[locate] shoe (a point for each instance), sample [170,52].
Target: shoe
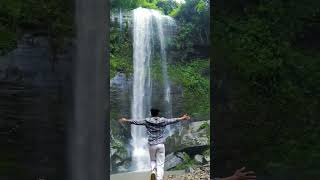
[153,175]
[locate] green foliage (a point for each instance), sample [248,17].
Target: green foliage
[206,152]
[156,71]
[120,64]
[193,31]
[120,51]
[53,17]
[175,12]
[192,75]
[149,5]
[205,125]
[201,6]
[181,43]
[188,162]
[274,80]
[119,146]
[164,5]
[194,78]
[167,6]
[125,4]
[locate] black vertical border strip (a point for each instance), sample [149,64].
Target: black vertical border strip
[107,91]
[88,146]
[212,91]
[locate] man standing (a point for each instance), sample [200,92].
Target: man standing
[155,129]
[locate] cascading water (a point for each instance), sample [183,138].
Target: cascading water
[163,53]
[120,19]
[146,23]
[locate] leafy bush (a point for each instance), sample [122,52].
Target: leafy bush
[53,17]
[193,30]
[120,64]
[165,5]
[270,93]
[194,78]
[204,126]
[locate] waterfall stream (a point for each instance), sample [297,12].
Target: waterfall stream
[147,23]
[120,19]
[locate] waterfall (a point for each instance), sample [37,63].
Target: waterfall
[167,89]
[146,23]
[120,19]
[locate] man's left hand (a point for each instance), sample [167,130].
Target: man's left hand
[121,120]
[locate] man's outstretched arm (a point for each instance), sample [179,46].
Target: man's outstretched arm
[132,121]
[174,120]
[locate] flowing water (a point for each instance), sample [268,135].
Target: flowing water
[149,28]
[120,19]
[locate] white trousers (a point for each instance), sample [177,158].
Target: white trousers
[157,157]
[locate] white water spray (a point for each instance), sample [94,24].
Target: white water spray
[120,19]
[146,23]
[163,53]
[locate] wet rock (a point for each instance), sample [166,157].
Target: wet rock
[122,168]
[198,158]
[35,101]
[172,161]
[122,155]
[207,158]
[112,151]
[195,134]
[182,155]
[120,81]
[118,161]
[189,170]
[118,153]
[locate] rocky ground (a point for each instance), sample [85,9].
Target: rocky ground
[200,173]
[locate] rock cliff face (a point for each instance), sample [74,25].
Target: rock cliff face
[190,135]
[185,142]
[35,96]
[188,146]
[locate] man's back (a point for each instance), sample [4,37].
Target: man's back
[155,128]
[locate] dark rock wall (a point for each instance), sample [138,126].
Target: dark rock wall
[35,96]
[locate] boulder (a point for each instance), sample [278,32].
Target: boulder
[195,134]
[184,156]
[207,158]
[112,151]
[118,161]
[198,159]
[189,170]
[172,161]
[120,81]
[122,168]
[122,154]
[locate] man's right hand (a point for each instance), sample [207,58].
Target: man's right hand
[185,117]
